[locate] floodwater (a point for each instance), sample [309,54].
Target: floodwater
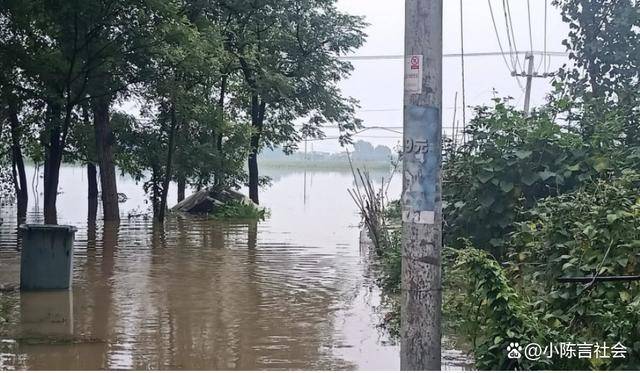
[293,292]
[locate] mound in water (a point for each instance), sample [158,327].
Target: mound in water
[208,201]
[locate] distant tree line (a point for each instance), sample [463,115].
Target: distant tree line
[215,81]
[362,151]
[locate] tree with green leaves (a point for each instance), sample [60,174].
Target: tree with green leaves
[181,115]
[45,50]
[287,53]
[7,168]
[125,37]
[602,78]
[11,112]
[73,53]
[210,75]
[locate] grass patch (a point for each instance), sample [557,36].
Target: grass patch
[235,209]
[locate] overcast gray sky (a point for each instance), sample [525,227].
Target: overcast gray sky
[378,84]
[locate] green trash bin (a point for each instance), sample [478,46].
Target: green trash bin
[46,262]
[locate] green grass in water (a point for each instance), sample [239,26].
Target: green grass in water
[240,210]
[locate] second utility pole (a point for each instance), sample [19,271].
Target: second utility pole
[421,305]
[527,97]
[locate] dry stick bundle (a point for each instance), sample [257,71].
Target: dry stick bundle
[370,204]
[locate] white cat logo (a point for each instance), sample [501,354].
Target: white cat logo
[513,350]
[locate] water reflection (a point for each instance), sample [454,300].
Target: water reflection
[46,314]
[288,293]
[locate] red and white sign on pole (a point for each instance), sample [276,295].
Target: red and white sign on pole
[413,75]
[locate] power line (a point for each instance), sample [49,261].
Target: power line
[547,60]
[393,128]
[512,39]
[376,110]
[543,60]
[530,33]
[448,55]
[358,135]
[455,128]
[513,33]
[495,28]
[514,62]
[464,100]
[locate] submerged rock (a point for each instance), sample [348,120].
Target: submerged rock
[208,200]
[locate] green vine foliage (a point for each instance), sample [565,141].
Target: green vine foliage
[509,163]
[594,230]
[488,310]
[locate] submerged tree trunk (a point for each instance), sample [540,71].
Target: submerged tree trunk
[155,189]
[52,162]
[257,120]
[182,185]
[17,161]
[104,154]
[168,169]
[92,196]
[219,178]
[253,170]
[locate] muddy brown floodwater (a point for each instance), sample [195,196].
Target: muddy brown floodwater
[292,292]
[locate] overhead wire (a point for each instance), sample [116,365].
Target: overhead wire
[509,43]
[530,32]
[464,95]
[375,110]
[547,57]
[512,32]
[495,28]
[512,41]
[446,55]
[543,60]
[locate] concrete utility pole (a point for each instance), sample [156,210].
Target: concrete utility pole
[530,74]
[422,187]
[527,95]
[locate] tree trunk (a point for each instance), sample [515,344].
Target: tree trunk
[52,162]
[19,174]
[155,189]
[257,120]
[92,198]
[182,185]
[167,170]
[104,154]
[253,173]
[51,177]
[219,178]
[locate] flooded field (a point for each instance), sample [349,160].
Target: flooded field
[292,292]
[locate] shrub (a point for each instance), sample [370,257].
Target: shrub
[593,230]
[488,310]
[235,209]
[509,163]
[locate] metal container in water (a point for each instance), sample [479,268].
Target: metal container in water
[47,256]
